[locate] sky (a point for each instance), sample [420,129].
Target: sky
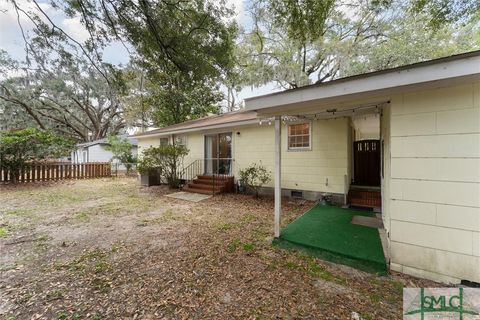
[11,37]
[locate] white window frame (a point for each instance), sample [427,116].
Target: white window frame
[309,148]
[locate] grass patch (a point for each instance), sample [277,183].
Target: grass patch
[249,217]
[18,212]
[41,242]
[291,265]
[3,232]
[101,285]
[259,235]
[226,226]
[82,216]
[318,271]
[233,245]
[101,266]
[398,285]
[248,247]
[94,261]
[143,222]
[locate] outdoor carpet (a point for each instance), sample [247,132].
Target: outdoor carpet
[326,231]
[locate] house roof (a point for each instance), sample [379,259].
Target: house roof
[214,121]
[133,142]
[431,71]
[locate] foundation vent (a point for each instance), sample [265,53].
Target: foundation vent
[296,194]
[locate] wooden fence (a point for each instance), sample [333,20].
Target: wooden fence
[48,171]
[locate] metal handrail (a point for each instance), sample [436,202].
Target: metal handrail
[191,171]
[197,167]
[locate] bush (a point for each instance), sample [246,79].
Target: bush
[19,147]
[122,151]
[254,177]
[165,161]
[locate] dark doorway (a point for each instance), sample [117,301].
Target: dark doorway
[366,161]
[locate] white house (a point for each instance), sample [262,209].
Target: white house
[94,151]
[405,139]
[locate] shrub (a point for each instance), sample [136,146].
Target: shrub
[254,177]
[165,161]
[19,147]
[122,151]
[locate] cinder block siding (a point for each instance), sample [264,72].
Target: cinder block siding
[303,170]
[194,145]
[146,142]
[434,197]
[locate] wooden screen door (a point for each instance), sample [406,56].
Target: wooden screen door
[366,161]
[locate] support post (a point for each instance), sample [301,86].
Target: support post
[278,175]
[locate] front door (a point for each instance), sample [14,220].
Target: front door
[366,160]
[218,153]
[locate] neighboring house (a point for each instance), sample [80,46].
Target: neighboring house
[94,151]
[405,139]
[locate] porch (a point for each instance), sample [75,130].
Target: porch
[326,231]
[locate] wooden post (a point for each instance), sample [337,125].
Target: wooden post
[278,175]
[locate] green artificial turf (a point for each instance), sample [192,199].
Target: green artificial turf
[325,231]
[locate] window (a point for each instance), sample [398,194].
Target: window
[181,140]
[164,141]
[299,136]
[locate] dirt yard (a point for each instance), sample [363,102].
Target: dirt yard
[108,249]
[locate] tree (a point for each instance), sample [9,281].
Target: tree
[441,12]
[182,49]
[122,151]
[19,147]
[254,177]
[163,160]
[408,39]
[63,92]
[291,47]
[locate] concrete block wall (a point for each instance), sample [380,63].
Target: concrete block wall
[434,196]
[321,169]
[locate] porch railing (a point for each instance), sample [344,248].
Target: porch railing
[218,168]
[191,171]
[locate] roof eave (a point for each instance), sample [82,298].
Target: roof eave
[201,128]
[436,73]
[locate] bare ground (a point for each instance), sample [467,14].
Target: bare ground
[108,249]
